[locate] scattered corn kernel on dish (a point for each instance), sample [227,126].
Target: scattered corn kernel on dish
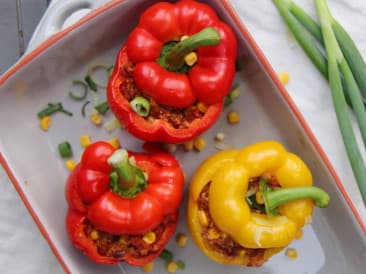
[164,142]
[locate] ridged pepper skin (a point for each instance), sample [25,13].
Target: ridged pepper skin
[208,81]
[229,173]
[92,196]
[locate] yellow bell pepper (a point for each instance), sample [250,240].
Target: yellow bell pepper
[257,233]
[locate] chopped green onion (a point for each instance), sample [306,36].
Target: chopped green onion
[84,107]
[102,108]
[91,72]
[53,108]
[110,70]
[65,149]
[68,113]
[166,255]
[227,101]
[233,94]
[84,93]
[112,125]
[91,84]
[181,264]
[141,105]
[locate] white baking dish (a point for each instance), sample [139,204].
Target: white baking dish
[334,243]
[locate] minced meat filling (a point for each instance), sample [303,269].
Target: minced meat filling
[222,242]
[178,117]
[117,246]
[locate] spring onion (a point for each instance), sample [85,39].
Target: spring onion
[83,95]
[89,78]
[112,125]
[342,66]
[65,149]
[53,108]
[102,108]
[166,255]
[141,106]
[347,45]
[181,264]
[233,94]
[83,108]
[110,70]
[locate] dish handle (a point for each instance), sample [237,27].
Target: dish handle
[60,15]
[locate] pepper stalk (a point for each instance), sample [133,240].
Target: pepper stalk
[173,60]
[274,198]
[126,179]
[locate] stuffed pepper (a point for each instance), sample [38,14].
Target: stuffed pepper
[172,75]
[123,206]
[247,205]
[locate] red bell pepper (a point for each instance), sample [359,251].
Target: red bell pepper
[116,195]
[152,64]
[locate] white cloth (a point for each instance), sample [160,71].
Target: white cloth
[23,249]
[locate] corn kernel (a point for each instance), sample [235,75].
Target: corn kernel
[181,239]
[191,58]
[202,218]
[199,144]
[202,107]
[114,142]
[172,267]
[94,235]
[291,253]
[45,123]
[85,140]
[259,198]
[284,77]
[148,267]
[122,239]
[213,234]
[188,146]
[233,117]
[70,164]
[96,119]
[149,237]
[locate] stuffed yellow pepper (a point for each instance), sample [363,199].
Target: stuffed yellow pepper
[247,205]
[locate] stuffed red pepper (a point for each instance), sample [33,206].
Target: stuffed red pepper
[123,205]
[173,73]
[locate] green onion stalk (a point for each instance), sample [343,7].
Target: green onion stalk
[342,65]
[344,68]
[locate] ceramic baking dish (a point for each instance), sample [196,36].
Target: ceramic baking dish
[335,242]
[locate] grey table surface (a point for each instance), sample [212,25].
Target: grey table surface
[18,20]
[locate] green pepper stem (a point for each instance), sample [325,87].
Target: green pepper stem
[174,59]
[274,198]
[126,179]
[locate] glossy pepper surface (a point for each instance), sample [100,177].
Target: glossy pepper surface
[157,48]
[122,193]
[288,205]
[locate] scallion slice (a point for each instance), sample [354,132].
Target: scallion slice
[141,106]
[53,108]
[65,149]
[82,96]
[102,108]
